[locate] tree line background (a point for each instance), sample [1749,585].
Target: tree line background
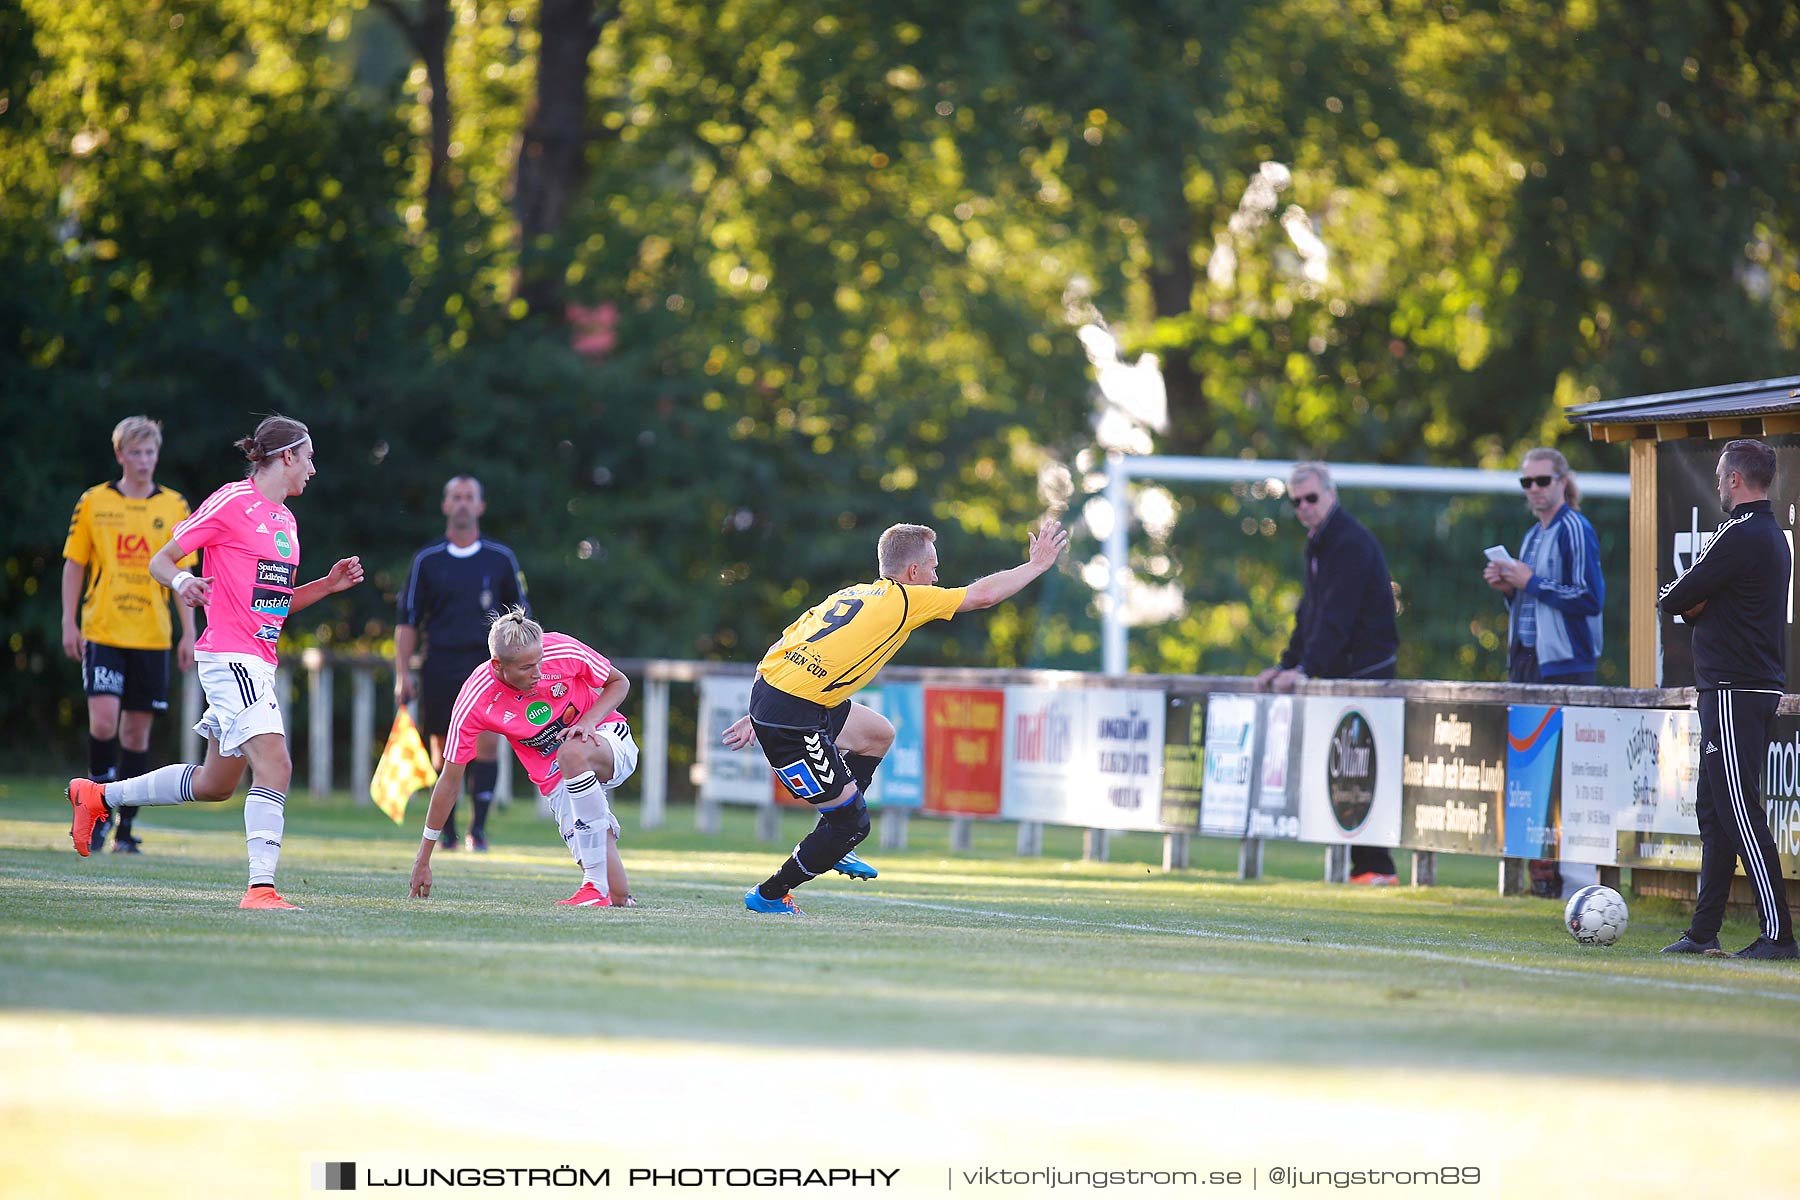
[708,292]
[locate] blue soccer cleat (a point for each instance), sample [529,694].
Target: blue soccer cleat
[855,867]
[753,900]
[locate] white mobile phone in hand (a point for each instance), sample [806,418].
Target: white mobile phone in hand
[1498,554]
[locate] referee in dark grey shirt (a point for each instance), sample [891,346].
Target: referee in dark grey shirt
[1734,594]
[451,592]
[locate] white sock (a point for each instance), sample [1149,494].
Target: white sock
[163,786]
[589,821]
[263,822]
[565,819]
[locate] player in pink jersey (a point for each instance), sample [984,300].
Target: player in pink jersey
[556,700]
[252,559]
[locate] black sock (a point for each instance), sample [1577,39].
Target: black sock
[839,831]
[862,769]
[482,778]
[103,759]
[789,877]
[132,763]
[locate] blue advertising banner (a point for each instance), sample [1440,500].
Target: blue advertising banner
[1533,780]
[900,783]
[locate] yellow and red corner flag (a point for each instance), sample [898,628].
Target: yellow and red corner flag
[405,767]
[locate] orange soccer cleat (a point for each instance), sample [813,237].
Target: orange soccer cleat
[89,802]
[264,897]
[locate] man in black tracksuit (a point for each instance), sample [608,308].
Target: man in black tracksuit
[1734,594]
[1345,626]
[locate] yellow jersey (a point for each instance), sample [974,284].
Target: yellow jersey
[115,537]
[837,645]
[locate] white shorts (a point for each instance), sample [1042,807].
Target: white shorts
[625,761]
[240,701]
[624,751]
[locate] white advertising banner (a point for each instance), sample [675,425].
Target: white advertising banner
[1277,810]
[1044,730]
[1657,825]
[1350,770]
[1228,772]
[1596,783]
[1117,783]
[726,776]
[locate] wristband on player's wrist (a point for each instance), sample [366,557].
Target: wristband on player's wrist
[432,835]
[179,581]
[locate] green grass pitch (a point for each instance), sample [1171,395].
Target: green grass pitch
[963,1012]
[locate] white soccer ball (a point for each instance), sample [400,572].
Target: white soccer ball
[1596,916]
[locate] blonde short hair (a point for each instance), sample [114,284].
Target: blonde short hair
[136,429]
[901,546]
[512,633]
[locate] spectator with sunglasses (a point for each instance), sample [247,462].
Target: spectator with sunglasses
[1345,626]
[1554,590]
[1554,593]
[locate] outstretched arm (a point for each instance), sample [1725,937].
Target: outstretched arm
[1046,546]
[443,799]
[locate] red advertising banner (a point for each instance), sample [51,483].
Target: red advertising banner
[965,731]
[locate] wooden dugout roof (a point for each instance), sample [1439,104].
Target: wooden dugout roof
[1755,409]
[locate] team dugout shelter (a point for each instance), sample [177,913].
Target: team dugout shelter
[1675,439]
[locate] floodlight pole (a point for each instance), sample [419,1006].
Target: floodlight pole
[1122,468]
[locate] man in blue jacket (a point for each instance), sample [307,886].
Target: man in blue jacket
[1554,589]
[1554,593]
[1735,595]
[1345,626]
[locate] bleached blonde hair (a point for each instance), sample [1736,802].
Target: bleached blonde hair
[901,546]
[136,429]
[513,633]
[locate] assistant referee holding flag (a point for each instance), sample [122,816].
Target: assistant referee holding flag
[1734,594]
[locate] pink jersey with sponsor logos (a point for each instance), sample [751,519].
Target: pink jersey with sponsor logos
[533,721]
[252,547]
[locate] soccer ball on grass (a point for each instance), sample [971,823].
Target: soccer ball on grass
[1596,916]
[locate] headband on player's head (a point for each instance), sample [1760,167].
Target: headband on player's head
[303,437]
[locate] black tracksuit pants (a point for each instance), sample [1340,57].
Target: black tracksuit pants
[1734,741]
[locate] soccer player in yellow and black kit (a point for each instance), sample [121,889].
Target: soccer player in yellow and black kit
[122,636]
[824,746]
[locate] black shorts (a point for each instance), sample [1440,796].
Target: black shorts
[139,678]
[799,738]
[440,681]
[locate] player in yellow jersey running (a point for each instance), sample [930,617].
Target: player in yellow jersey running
[824,746]
[116,618]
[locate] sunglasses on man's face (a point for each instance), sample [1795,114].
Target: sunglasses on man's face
[1309,498]
[1543,481]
